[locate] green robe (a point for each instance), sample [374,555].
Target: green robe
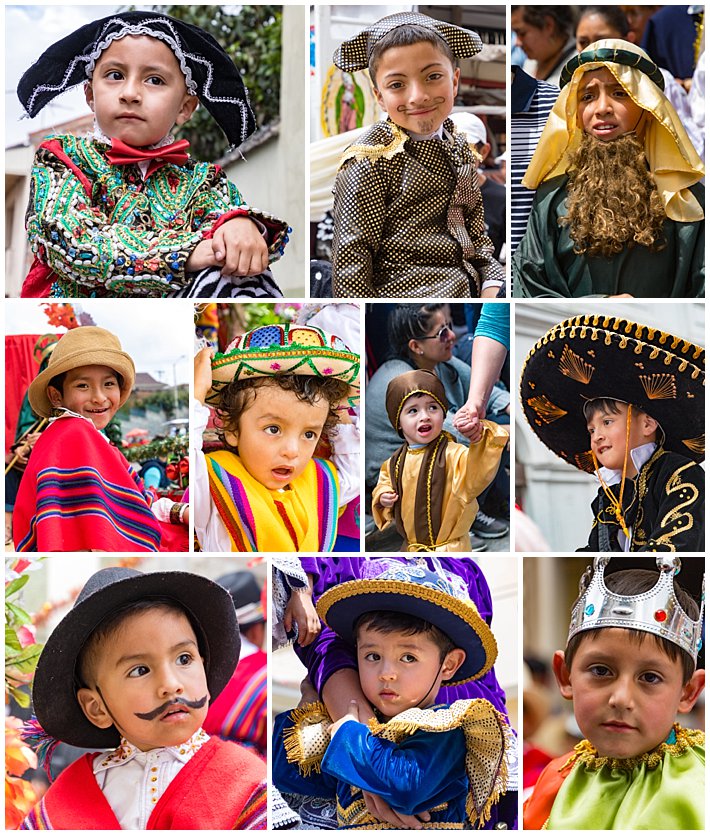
[545,263]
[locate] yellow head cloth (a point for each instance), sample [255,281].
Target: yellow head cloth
[672,159]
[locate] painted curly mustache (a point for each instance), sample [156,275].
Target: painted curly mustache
[153,714]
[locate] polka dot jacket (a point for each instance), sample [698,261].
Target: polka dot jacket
[408,218]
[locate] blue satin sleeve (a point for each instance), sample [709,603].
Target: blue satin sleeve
[286,776]
[413,776]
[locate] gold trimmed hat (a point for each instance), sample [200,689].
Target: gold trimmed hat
[405,385]
[354,54]
[389,585]
[272,350]
[86,345]
[591,357]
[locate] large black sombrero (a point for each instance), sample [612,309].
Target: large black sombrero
[208,605]
[590,357]
[393,586]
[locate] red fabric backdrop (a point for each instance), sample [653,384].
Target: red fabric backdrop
[20,370]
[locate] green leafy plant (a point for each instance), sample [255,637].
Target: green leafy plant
[21,654]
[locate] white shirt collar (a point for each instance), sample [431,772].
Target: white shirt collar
[639,455]
[126,752]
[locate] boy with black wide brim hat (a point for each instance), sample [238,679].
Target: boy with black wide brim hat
[132,668]
[413,629]
[626,402]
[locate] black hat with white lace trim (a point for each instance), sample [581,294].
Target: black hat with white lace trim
[209,72]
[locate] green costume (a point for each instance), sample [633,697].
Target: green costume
[545,263]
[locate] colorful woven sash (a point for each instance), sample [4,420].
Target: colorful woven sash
[302,518]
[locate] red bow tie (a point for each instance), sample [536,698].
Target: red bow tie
[122,154]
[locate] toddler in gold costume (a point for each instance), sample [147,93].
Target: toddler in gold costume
[429,486]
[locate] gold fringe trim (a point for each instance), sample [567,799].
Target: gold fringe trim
[466,611]
[307,754]
[489,739]
[586,754]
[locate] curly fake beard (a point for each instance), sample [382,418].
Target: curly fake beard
[612,201]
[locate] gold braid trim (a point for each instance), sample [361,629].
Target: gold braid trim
[488,741]
[586,754]
[466,611]
[361,151]
[683,517]
[306,742]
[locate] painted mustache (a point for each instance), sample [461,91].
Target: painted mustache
[404,108]
[153,714]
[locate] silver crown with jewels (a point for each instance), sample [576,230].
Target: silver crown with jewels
[656,610]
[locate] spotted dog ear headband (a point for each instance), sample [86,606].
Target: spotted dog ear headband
[354,54]
[209,72]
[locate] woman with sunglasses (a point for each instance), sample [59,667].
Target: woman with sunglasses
[421,336]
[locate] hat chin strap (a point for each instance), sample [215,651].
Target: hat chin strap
[617,504]
[426,695]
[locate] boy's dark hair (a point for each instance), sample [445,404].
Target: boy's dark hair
[409,321]
[564,17]
[613,16]
[58,381]
[635,581]
[406,36]
[86,659]
[609,406]
[235,398]
[388,622]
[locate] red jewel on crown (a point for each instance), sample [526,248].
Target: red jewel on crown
[661,615]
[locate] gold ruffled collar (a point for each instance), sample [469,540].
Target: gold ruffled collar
[586,754]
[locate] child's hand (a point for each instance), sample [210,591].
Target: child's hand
[239,248]
[201,257]
[203,373]
[353,714]
[300,608]
[387,499]
[466,421]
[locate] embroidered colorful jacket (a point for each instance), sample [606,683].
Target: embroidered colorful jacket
[666,508]
[221,787]
[661,789]
[78,494]
[408,218]
[101,230]
[449,760]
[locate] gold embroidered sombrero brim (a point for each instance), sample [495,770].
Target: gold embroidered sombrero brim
[272,350]
[341,606]
[590,357]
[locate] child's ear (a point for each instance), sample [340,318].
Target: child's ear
[457,75]
[187,108]
[649,426]
[413,346]
[691,691]
[452,662]
[89,94]
[94,710]
[562,674]
[55,396]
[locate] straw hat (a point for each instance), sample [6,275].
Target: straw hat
[87,345]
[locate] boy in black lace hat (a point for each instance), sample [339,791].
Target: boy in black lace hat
[408,213]
[127,212]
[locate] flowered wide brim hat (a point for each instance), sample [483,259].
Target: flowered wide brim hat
[388,585]
[590,357]
[273,350]
[354,53]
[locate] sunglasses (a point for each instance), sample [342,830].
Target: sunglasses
[442,334]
